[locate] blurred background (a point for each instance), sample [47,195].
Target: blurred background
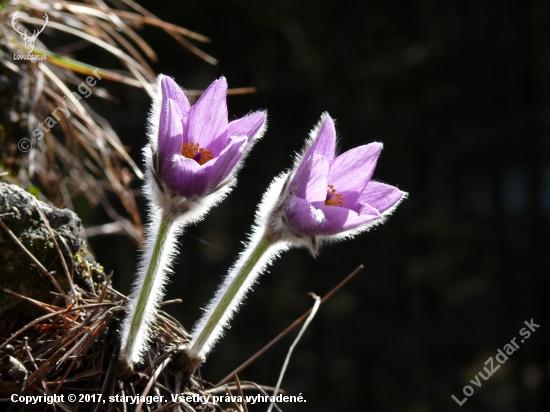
[459,93]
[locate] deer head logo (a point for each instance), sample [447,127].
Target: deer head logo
[29,40]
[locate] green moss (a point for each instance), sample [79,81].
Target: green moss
[18,272]
[34,190]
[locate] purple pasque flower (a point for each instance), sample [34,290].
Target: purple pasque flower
[328,196]
[197,150]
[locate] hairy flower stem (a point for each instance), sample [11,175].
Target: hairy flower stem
[238,281]
[134,333]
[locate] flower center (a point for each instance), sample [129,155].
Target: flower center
[333,198]
[197,153]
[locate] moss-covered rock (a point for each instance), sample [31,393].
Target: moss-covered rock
[18,273]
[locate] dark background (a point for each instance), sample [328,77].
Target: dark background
[459,93]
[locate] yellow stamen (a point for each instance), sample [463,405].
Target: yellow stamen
[333,198]
[197,153]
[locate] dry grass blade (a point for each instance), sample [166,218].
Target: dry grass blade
[231,396]
[79,67]
[177,34]
[245,385]
[74,350]
[262,388]
[59,253]
[310,317]
[135,68]
[82,155]
[154,377]
[38,304]
[230,92]
[45,318]
[289,328]
[146,18]
[240,392]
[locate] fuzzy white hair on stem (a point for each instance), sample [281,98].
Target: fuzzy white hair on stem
[272,234]
[169,213]
[148,288]
[260,251]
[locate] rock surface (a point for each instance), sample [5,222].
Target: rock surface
[18,273]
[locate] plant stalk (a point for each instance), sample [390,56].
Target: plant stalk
[247,268]
[147,292]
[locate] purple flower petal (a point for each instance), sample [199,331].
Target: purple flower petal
[170,137]
[338,200]
[197,147]
[245,126]
[341,219]
[207,119]
[349,198]
[171,90]
[380,196]
[186,177]
[352,170]
[302,216]
[324,142]
[311,184]
[220,167]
